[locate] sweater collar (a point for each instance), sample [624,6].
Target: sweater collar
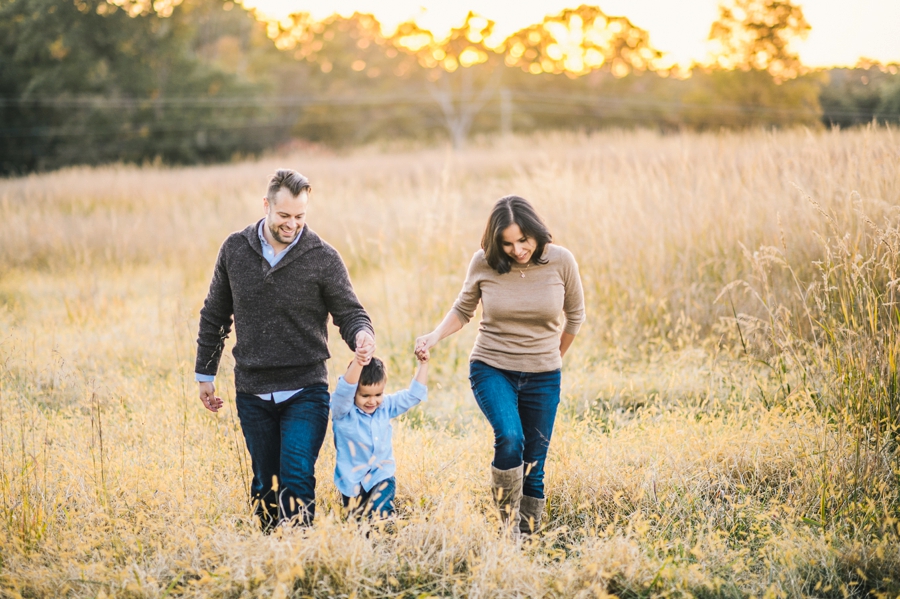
[308,240]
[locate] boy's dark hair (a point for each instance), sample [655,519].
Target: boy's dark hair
[507,211]
[373,373]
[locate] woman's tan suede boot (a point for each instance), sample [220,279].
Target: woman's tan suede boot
[530,511]
[506,487]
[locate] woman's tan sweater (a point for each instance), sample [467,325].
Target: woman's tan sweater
[522,316]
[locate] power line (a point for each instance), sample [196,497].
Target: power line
[601,107]
[391,99]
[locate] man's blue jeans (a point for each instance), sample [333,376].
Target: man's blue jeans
[377,501]
[284,440]
[521,407]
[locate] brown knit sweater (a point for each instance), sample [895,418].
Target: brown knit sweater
[280,312]
[522,316]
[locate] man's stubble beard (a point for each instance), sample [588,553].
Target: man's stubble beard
[276,234]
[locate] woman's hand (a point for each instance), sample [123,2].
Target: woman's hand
[448,326]
[424,345]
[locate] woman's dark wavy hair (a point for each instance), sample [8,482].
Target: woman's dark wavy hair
[507,211]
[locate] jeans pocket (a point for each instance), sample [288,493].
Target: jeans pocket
[477,370]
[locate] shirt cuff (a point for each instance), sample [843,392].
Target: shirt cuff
[418,390]
[572,328]
[462,316]
[204,378]
[345,388]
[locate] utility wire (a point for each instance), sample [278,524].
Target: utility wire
[522,102]
[394,99]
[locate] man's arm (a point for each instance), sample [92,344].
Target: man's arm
[347,312]
[215,325]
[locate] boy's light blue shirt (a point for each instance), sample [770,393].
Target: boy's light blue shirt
[365,454]
[272,259]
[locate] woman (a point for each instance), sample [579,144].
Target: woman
[525,284]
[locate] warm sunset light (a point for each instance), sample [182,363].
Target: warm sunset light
[623,274]
[840,35]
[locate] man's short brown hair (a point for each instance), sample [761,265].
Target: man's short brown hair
[289,179]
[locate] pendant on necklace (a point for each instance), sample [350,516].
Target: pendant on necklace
[522,273]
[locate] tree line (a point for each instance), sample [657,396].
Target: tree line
[92,81]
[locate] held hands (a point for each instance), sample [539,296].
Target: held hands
[424,345]
[208,396]
[365,347]
[360,357]
[422,357]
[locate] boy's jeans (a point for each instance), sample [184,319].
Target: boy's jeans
[378,501]
[521,407]
[284,440]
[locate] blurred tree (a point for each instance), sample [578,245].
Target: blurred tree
[470,66]
[581,40]
[889,106]
[349,61]
[859,95]
[757,35]
[85,81]
[582,68]
[756,77]
[463,70]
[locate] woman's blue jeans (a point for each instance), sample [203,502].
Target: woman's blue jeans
[521,407]
[284,440]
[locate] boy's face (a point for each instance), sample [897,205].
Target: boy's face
[369,397]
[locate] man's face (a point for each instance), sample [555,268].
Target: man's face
[369,397]
[286,215]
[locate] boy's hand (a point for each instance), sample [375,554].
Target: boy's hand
[422,356]
[425,343]
[362,357]
[365,345]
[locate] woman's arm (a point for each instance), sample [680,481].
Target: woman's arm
[565,340]
[448,326]
[462,311]
[573,304]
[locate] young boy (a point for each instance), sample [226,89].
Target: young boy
[361,419]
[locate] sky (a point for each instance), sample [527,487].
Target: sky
[842,30]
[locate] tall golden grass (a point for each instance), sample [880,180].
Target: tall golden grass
[729,416]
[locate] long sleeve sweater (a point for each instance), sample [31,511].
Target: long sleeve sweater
[280,313]
[522,315]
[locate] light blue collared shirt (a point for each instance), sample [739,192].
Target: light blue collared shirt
[272,258]
[365,455]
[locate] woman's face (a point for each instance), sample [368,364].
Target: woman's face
[516,245]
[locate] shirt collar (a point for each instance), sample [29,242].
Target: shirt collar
[363,413]
[266,244]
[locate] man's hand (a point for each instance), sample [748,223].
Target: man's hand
[209,398]
[365,346]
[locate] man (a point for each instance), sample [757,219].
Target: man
[279,281]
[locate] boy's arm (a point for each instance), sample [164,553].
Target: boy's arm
[353,372]
[398,403]
[342,398]
[422,371]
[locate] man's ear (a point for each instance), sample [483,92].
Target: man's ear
[266,204]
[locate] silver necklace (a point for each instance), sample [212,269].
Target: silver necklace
[522,271]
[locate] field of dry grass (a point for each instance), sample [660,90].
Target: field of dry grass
[729,423]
